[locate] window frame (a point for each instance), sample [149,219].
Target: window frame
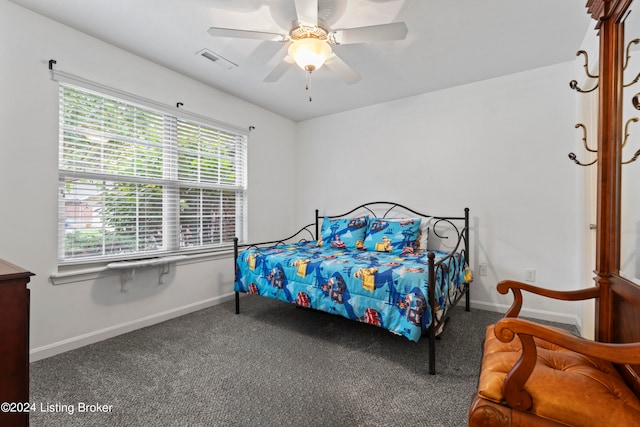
[172,186]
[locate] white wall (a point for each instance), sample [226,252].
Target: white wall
[498,147]
[69,315]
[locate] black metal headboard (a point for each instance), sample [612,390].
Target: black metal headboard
[458,224]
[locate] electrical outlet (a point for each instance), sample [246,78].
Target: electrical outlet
[482,269]
[530,274]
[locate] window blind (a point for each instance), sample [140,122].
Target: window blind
[136,182]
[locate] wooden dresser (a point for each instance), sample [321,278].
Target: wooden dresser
[14,341]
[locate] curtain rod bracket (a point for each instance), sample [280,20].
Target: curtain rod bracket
[51,62]
[179,104]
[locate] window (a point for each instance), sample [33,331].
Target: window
[136,182]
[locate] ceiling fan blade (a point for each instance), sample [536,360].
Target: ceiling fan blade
[373,33]
[307,11]
[245,34]
[338,66]
[279,70]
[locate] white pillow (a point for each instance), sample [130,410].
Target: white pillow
[423,237]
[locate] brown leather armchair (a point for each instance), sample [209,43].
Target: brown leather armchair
[549,377]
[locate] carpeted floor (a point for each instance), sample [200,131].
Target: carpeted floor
[272,365]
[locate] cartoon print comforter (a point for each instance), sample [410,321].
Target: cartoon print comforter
[379,288]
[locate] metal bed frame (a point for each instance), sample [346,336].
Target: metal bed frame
[311,232]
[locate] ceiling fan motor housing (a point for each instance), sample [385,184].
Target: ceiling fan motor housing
[318,31]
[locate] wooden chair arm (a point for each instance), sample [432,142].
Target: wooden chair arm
[506,330]
[516,287]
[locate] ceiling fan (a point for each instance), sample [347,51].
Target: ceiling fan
[309,42]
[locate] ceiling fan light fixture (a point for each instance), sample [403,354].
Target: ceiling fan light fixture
[310,53]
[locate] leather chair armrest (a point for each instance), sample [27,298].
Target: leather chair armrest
[506,330]
[516,287]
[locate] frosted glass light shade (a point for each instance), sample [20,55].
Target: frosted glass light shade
[309,53]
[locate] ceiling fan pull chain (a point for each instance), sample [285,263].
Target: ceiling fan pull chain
[308,84]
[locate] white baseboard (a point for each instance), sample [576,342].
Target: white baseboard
[103,334]
[110,332]
[532,313]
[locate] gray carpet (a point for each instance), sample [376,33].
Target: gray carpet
[273,364]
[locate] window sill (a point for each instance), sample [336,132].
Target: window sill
[126,269]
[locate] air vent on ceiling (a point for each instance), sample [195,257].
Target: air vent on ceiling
[216,58]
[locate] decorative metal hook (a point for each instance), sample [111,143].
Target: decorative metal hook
[633,159]
[626,63]
[626,136]
[628,56]
[574,83]
[626,129]
[632,82]
[584,137]
[586,63]
[573,156]
[636,101]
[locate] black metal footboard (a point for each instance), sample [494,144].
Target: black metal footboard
[446,263]
[303,234]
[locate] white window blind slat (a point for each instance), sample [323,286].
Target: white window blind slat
[135,181]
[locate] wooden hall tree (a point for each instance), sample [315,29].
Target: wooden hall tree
[535,375]
[617,306]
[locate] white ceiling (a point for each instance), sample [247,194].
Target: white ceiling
[449,43]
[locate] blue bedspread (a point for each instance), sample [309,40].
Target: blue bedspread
[379,288]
